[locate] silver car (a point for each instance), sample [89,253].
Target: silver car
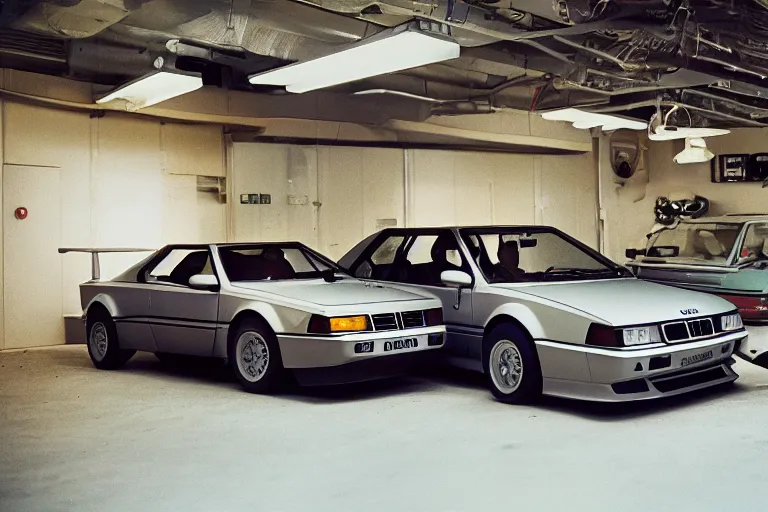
[266,308]
[539,312]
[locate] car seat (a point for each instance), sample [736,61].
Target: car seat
[192,264]
[439,254]
[712,245]
[274,265]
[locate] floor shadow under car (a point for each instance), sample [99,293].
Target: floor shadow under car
[215,371]
[423,379]
[599,411]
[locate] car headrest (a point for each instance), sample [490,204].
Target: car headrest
[442,245]
[711,243]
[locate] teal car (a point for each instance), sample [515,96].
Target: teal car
[725,256]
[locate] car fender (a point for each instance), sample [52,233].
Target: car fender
[280,319]
[520,312]
[552,329]
[105,300]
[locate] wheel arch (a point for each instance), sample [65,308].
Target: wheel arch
[104,302]
[261,312]
[517,314]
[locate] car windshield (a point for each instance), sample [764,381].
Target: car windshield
[274,262]
[514,255]
[694,244]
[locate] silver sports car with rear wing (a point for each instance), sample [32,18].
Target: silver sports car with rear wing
[267,308]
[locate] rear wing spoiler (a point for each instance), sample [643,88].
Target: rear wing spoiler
[95,251]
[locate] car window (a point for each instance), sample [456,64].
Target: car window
[420,252]
[755,246]
[412,259]
[515,256]
[179,265]
[695,243]
[380,262]
[385,254]
[271,263]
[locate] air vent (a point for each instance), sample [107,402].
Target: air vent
[385,322]
[26,44]
[413,319]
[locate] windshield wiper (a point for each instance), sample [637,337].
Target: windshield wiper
[331,276]
[583,272]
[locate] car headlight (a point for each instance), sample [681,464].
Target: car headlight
[641,335]
[605,336]
[323,325]
[731,322]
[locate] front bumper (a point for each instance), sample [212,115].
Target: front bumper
[755,348]
[577,371]
[307,351]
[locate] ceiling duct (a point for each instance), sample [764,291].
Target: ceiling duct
[280,29]
[77,19]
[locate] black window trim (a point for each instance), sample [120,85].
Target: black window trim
[505,230]
[162,253]
[305,250]
[409,236]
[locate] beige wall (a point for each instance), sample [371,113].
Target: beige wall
[349,193]
[466,188]
[629,209]
[123,182]
[339,193]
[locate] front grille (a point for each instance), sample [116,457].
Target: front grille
[412,319]
[676,332]
[701,328]
[689,379]
[385,322]
[688,330]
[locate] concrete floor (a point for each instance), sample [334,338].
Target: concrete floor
[154,437]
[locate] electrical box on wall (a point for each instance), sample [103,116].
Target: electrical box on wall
[740,168]
[255,199]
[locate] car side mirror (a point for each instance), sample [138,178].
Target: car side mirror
[634,253]
[456,279]
[203,282]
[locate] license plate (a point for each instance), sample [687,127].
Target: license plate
[403,344]
[696,358]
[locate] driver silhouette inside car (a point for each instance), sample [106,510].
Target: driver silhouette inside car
[508,269]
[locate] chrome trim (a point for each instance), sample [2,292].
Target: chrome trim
[688,329]
[672,266]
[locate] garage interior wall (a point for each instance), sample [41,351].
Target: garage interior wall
[332,197]
[112,181]
[629,209]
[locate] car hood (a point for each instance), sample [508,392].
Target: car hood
[340,293]
[627,301]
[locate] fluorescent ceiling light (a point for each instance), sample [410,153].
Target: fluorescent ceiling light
[695,152]
[153,88]
[668,132]
[586,120]
[396,50]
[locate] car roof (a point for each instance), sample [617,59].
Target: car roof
[497,226]
[736,218]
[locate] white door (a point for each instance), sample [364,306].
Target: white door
[32,291]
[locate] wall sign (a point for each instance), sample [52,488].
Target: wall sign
[255,198]
[740,168]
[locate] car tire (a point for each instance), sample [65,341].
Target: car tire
[254,357]
[103,343]
[511,365]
